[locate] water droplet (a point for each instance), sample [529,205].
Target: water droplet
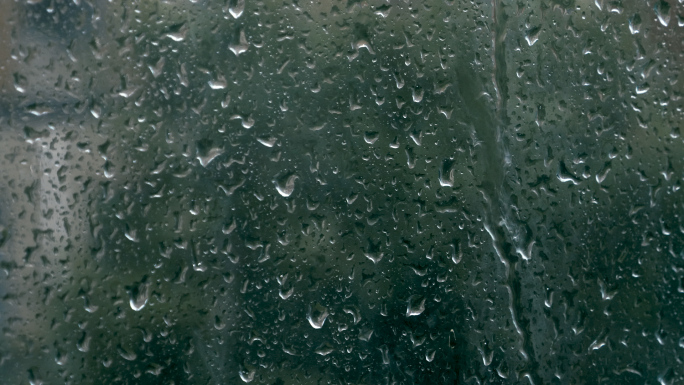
[371,137]
[635,24]
[247,373]
[417,95]
[218,84]
[365,334]
[564,175]
[285,185]
[662,10]
[241,46]
[236,8]
[38,110]
[532,35]
[416,305]
[374,256]
[61,358]
[83,344]
[206,153]
[158,67]
[318,128]
[178,32]
[285,294]
[383,10]
[430,355]
[317,315]
[354,311]
[139,296]
[642,89]
[268,141]
[324,349]
[126,355]
[456,253]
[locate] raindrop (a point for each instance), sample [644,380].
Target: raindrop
[383,10]
[635,24]
[317,315]
[268,141]
[241,46]
[564,175]
[83,344]
[371,137]
[662,10]
[178,32]
[139,295]
[417,95]
[206,152]
[285,184]
[158,67]
[430,355]
[324,349]
[236,8]
[247,373]
[532,35]
[61,358]
[416,305]
[218,84]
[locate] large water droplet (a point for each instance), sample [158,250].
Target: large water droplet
[532,35]
[139,296]
[285,184]
[236,8]
[662,10]
[247,373]
[324,349]
[635,24]
[416,305]
[317,315]
[241,46]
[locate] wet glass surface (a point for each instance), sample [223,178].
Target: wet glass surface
[347,192]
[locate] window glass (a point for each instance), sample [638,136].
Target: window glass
[347,192]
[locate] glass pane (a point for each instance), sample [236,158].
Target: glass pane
[366,192]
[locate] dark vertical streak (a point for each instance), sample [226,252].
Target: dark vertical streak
[500,195]
[499,59]
[507,230]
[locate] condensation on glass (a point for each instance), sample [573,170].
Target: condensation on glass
[319,192]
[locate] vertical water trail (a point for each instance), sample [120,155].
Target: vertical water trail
[500,212]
